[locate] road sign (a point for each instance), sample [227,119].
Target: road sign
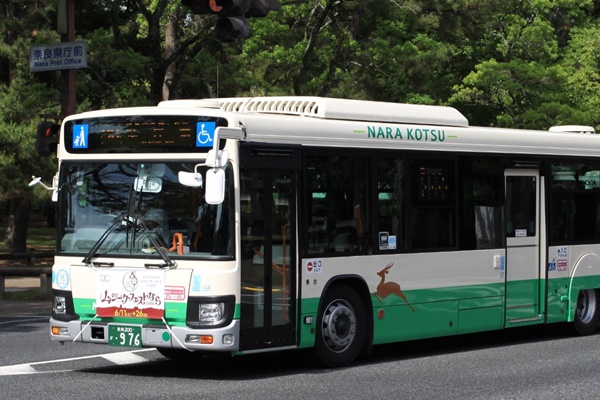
[52,57]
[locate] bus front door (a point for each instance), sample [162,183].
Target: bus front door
[522,224]
[268,210]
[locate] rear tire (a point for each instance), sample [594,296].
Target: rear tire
[587,312]
[341,327]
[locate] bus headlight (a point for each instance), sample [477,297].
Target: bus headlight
[60,305]
[210,313]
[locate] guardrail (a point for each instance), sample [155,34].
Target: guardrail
[29,257]
[28,269]
[45,274]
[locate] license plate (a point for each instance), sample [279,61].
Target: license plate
[125,336]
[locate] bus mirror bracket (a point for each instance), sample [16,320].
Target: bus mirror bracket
[54,188]
[216,159]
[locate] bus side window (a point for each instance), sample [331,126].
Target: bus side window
[433,204]
[337,205]
[521,211]
[391,202]
[574,202]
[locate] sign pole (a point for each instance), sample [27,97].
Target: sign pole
[68,101]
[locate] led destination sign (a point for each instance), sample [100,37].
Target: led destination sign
[141,134]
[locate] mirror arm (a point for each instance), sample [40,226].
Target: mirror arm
[38,180]
[216,147]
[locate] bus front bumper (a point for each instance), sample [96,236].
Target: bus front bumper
[225,339]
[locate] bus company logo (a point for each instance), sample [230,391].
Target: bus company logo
[409,134]
[314,267]
[384,289]
[205,134]
[61,279]
[130,282]
[80,136]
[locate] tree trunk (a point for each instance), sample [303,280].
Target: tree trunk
[18,222]
[170,46]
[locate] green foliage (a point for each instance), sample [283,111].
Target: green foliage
[519,94]
[581,70]
[507,63]
[101,85]
[19,161]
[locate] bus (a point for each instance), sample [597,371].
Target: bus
[234,226]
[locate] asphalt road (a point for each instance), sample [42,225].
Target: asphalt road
[542,362]
[24,308]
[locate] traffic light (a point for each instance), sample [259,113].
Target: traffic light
[233,22]
[229,29]
[260,8]
[47,138]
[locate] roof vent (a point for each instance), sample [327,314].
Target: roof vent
[346,109]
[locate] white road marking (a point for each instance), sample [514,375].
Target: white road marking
[122,358]
[20,369]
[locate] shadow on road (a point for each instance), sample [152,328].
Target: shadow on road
[268,365]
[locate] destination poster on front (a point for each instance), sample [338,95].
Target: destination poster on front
[130,293]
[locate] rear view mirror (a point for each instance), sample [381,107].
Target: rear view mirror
[148,185]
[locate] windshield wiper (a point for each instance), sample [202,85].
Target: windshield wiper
[168,263]
[88,258]
[135,222]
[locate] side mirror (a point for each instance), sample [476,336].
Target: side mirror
[215,186]
[190,179]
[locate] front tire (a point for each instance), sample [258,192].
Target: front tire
[587,313]
[340,327]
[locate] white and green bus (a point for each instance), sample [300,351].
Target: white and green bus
[243,225]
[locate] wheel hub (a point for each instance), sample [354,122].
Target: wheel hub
[339,326]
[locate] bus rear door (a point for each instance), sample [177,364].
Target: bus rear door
[522,225]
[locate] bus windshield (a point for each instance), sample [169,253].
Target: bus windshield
[130,208]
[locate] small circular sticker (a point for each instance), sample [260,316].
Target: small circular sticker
[62,279]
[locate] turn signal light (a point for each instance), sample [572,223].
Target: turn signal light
[200,339]
[57,331]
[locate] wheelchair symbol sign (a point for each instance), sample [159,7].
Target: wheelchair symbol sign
[205,133]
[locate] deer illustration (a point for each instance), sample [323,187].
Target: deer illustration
[384,289]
